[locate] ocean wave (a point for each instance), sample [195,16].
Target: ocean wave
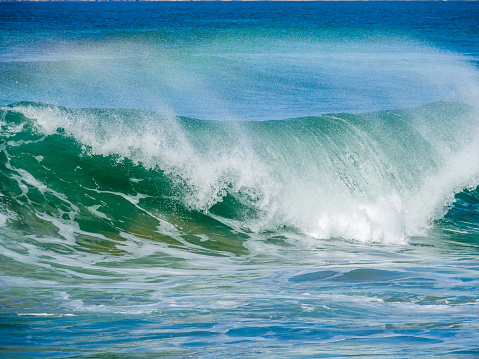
[96,176]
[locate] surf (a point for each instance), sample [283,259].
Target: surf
[379,177]
[243,179]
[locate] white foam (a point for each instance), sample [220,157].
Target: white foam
[382,222]
[5,216]
[3,219]
[94,211]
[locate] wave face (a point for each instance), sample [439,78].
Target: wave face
[265,179]
[375,177]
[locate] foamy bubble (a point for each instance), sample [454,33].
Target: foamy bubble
[382,222]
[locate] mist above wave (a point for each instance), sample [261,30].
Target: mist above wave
[246,73]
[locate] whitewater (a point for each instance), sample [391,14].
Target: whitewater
[239,179]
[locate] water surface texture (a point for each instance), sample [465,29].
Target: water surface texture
[245,180]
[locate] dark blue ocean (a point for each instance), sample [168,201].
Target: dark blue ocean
[239,180]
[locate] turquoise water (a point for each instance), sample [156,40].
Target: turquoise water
[239,179]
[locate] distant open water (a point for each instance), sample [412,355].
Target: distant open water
[239,180]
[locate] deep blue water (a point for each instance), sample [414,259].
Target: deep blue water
[264,179]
